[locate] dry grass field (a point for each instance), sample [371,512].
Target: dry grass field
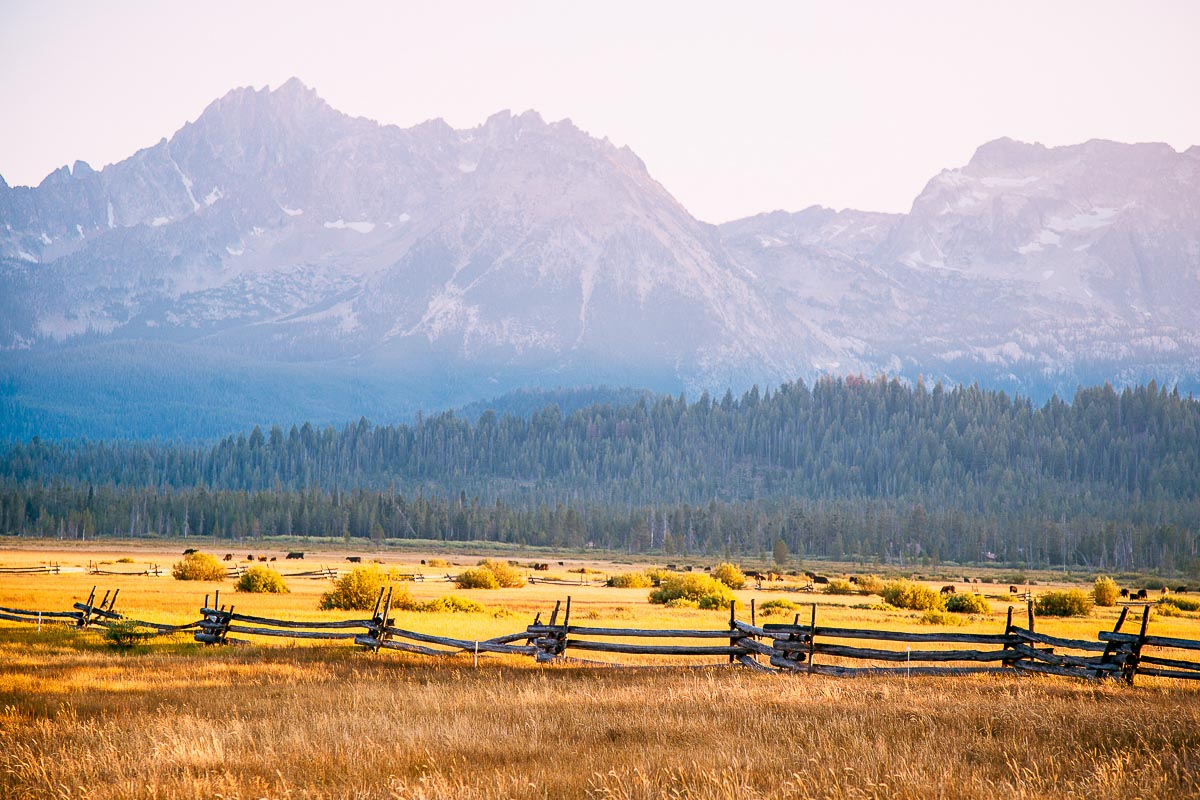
[176,719]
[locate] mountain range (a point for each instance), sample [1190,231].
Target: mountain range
[276,260]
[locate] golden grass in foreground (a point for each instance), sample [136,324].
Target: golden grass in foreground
[78,720]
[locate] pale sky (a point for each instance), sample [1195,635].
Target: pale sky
[735,110]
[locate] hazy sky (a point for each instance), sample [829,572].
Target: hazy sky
[734,110]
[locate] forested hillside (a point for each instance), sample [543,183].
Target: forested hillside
[855,467]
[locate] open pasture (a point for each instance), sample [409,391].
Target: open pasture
[177,719]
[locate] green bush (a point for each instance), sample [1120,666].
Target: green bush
[262,580]
[631,580]
[778,606]
[1181,603]
[125,633]
[935,616]
[729,574]
[906,594]
[1066,603]
[198,567]
[477,578]
[1154,584]
[839,586]
[657,575]
[452,604]
[705,591]
[1105,591]
[869,584]
[502,575]
[967,603]
[357,590]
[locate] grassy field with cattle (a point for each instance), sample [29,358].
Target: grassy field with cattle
[173,718]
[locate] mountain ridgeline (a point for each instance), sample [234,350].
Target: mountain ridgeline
[276,260]
[844,467]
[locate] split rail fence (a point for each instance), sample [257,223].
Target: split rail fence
[790,647]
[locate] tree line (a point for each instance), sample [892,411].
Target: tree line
[845,467]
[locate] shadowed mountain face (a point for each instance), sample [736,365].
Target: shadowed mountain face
[328,266]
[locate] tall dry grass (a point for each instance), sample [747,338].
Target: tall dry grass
[304,722]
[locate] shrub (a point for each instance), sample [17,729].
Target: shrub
[869,584]
[778,606]
[357,590]
[1067,603]
[198,567]
[730,575]
[452,604]
[839,586]
[703,590]
[124,560]
[262,580]
[682,602]
[906,594]
[631,580]
[1105,591]
[936,616]
[586,571]
[503,574]
[1154,584]
[1181,603]
[124,634]
[967,603]
[437,562]
[477,578]
[657,575]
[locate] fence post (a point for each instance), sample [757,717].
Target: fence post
[1108,648]
[812,638]
[732,626]
[1008,662]
[1029,606]
[1136,653]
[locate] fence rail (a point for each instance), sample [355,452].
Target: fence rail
[773,647]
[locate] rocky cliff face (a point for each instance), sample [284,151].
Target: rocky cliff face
[275,231]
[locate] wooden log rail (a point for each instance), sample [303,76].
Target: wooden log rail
[786,647]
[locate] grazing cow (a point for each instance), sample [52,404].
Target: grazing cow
[1143,595]
[671,567]
[354,559]
[229,556]
[820,579]
[264,558]
[250,557]
[190,551]
[422,562]
[1013,590]
[812,576]
[688,568]
[542,566]
[854,579]
[1124,593]
[949,589]
[272,558]
[966,579]
[561,564]
[708,569]
[1181,590]
[292,556]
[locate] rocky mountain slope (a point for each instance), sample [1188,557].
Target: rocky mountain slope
[276,259]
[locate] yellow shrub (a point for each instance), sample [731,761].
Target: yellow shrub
[729,574]
[198,567]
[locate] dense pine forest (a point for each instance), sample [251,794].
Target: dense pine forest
[844,468]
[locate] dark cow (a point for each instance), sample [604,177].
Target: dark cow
[229,556]
[1181,590]
[1124,593]
[422,562]
[949,589]
[1143,595]
[854,579]
[561,564]
[292,556]
[542,566]
[820,579]
[354,559]
[190,551]
[250,557]
[264,558]
[272,558]
[1013,590]
[671,567]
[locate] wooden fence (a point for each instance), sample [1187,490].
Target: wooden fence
[789,647]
